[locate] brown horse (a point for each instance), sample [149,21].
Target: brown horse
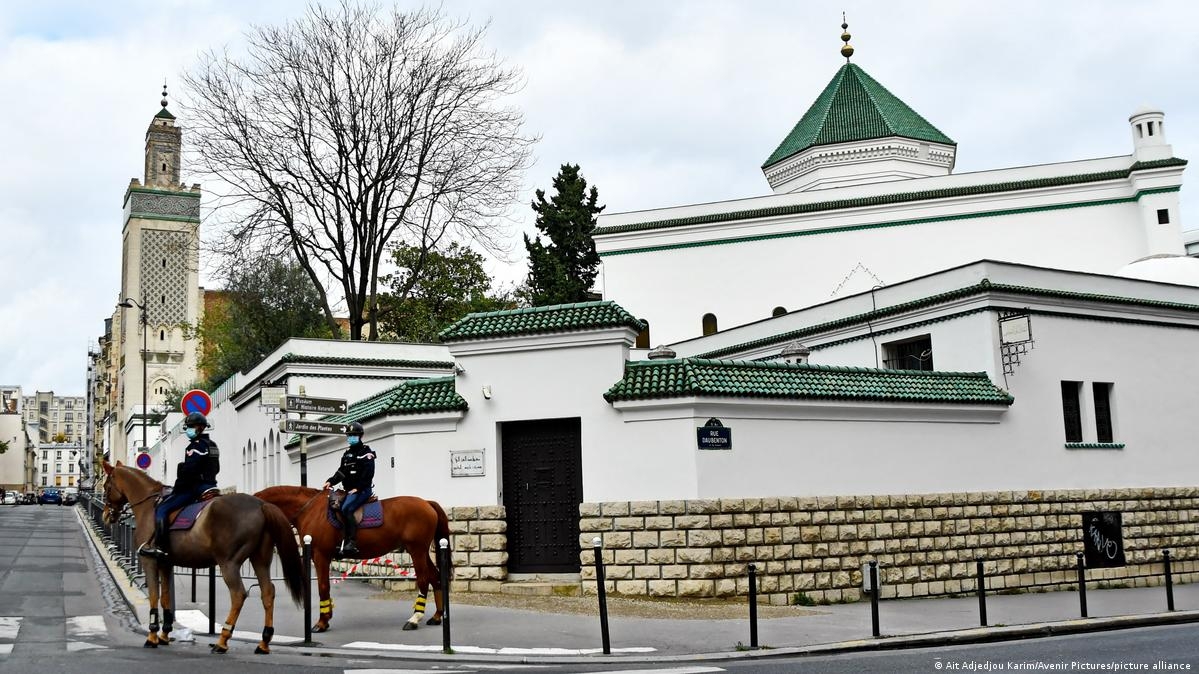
[410,524]
[232,529]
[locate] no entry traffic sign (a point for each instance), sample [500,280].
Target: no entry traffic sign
[143,460]
[195,400]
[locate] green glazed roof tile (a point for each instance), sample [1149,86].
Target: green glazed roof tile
[854,106]
[895,198]
[644,380]
[164,114]
[535,320]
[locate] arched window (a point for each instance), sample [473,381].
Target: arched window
[643,337]
[778,311]
[709,324]
[162,334]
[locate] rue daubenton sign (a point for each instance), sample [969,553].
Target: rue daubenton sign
[1102,539]
[314,405]
[312,427]
[714,435]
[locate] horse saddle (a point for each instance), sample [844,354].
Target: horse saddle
[369,516]
[185,517]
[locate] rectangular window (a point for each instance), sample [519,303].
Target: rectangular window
[1163,216]
[58,467]
[45,468]
[1071,411]
[909,354]
[1103,411]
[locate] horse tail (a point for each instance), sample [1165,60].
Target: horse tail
[289,552]
[443,531]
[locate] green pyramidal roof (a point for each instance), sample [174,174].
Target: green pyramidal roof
[855,107]
[645,380]
[536,320]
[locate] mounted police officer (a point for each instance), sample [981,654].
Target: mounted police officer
[357,475]
[195,475]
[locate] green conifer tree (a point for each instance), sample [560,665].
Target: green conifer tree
[563,270]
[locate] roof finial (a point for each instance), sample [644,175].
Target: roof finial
[846,49]
[164,93]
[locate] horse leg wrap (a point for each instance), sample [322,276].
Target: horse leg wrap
[153,620]
[228,628]
[326,607]
[168,620]
[267,633]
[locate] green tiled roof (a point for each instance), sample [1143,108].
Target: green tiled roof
[855,107]
[887,199]
[414,396]
[644,380]
[164,114]
[555,318]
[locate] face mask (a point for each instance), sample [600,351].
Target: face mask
[191,433]
[354,439]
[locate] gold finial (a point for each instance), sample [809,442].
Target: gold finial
[846,49]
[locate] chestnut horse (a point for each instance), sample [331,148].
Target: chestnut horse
[410,524]
[232,529]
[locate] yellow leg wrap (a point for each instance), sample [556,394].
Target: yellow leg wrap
[419,606]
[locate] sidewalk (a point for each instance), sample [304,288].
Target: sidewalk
[367,622]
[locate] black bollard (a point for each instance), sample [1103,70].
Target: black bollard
[753,606]
[212,600]
[1082,584]
[443,567]
[1169,580]
[981,586]
[307,559]
[874,597]
[193,584]
[597,544]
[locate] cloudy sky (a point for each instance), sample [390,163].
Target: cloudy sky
[661,102]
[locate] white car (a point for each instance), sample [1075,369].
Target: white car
[10,498]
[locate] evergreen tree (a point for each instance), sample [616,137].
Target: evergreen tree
[563,270]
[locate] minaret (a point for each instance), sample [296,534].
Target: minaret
[159,269]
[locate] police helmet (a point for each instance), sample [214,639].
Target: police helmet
[195,419]
[355,428]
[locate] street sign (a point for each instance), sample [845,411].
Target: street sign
[143,460]
[312,427]
[195,400]
[316,405]
[268,396]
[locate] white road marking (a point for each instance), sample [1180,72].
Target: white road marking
[9,626]
[5,649]
[674,670]
[76,646]
[479,650]
[197,622]
[86,626]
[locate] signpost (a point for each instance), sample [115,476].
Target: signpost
[304,404]
[143,460]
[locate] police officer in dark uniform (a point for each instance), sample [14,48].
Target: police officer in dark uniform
[357,474]
[195,475]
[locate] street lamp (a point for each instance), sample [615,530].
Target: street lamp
[130,303]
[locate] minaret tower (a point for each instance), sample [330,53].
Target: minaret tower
[160,271]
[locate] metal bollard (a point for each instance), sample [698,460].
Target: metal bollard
[1169,580]
[753,605]
[212,600]
[981,586]
[1082,584]
[307,561]
[874,597]
[443,567]
[597,545]
[193,584]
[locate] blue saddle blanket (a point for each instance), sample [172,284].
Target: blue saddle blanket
[187,517]
[372,516]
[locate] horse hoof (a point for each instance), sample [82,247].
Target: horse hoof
[320,628]
[218,649]
[259,650]
[433,621]
[149,644]
[408,627]
[164,641]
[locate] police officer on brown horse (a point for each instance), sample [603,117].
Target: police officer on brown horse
[195,475]
[357,475]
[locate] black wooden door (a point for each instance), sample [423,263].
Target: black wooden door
[543,487]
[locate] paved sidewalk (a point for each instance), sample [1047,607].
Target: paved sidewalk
[368,621]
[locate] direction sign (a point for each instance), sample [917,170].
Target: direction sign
[143,460]
[195,400]
[312,427]
[317,405]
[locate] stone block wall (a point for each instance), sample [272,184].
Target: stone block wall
[925,544]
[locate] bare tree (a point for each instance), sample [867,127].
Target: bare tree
[351,128]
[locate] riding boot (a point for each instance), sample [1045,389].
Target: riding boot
[349,548]
[155,547]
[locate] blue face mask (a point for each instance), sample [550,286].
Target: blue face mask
[354,440]
[191,433]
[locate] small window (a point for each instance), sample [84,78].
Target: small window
[164,263]
[1071,411]
[1163,216]
[709,324]
[643,337]
[1103,411]
[162,334]
[778,311]
[909,354]
[1140,131]
[1150,125]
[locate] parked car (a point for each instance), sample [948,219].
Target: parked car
[68,499]
[50,496]
[10,498]
[30,498]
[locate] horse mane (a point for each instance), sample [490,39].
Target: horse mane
[140,478]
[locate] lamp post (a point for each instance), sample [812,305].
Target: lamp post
[130,303]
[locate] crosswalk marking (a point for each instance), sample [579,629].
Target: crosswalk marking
[80,631]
